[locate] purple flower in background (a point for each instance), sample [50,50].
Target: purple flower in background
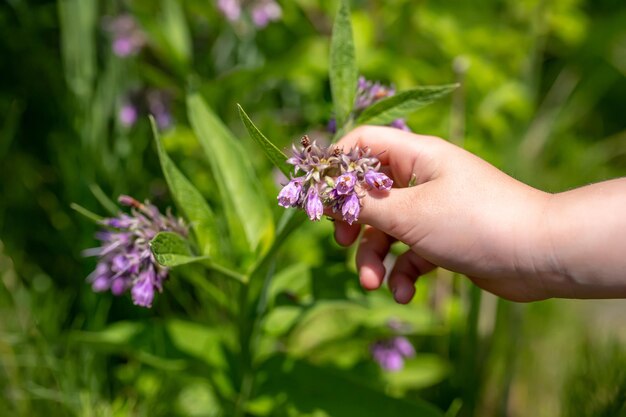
[127,38]
[331,127]
[261,12]
[265,11]
[140,102]
[391,353]
[367,94]
[159,103]
[400,124]
[231,9]
[330,179]
[125,259]
[128,114]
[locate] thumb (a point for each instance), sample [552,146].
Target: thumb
[393,212]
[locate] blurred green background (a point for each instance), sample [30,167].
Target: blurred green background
[542,98]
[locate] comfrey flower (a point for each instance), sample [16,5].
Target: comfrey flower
[368,93]
[127,38]
[391,353]
[125,259]
[159,104]
[262,12]
[146,101]
[331,178]
[128,114]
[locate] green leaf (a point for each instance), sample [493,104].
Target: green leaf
[274,154]
[386,111]
[333,392]
[244,204]
[190,202]
[87,213]
[423,371]
[197,340]
[104,199]
[171,249]
[117,335]
[175,29]
[343,70]
[289,221]
[79,21]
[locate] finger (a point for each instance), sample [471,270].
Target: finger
[394,212]
[370,255]
[408,155]
[409,266]
[346,234]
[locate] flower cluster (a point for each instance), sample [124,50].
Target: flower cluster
[368,93]
[151,101]
[126,261]
[127,37]
[391,353]
[331,179]
[262,12]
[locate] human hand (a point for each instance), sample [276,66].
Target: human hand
[463,214]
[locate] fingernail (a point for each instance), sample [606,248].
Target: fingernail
[404,294]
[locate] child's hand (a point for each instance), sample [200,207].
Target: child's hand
[463,214]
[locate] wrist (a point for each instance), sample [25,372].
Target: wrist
[539,263]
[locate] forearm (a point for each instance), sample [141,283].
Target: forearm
[585,242]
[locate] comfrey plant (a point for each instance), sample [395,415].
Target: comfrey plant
[146,101]
[262,12]
[391,353]
[234,242]
[331,179]
[367,93]
[125,259]
[127,38]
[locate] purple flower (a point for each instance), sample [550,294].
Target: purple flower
[314,207]
[261,12]
[388,359]
[289,196]
[125,260]
[346,183]
[127,38]
[391,353]
[351,208]
[128,115]
[230,8]
[400,124]
[331,127]
[143,289]
[331,178]
[264,12]
[378,180]
[159,103]
[368,93]
[403,346]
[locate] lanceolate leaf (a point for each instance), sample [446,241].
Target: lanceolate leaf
[171,249]
[326,385]
[190,202]
[403,103]
[274,154]
[249,216]
[343,69]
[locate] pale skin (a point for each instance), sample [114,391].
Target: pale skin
[465,215]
